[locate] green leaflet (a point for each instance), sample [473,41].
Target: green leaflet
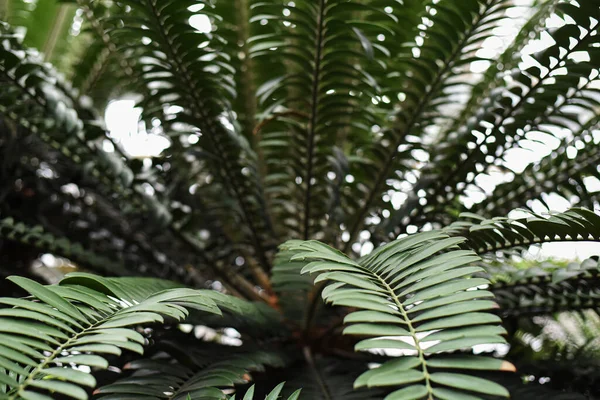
[273,395]
[467,382]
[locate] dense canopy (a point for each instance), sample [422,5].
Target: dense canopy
[345,199]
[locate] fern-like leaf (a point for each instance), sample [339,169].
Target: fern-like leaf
[488,235]
[44,241]
[404,291]
[46,337]
[545,289]
[207,378]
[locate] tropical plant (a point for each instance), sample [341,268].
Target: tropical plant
[322,215]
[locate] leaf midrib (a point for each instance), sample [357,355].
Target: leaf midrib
[313,116]
[413,333]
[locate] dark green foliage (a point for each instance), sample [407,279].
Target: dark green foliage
[544,289]
[313,220]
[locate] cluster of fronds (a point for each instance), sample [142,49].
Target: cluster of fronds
[318,150]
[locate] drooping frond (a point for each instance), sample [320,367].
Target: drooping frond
[488,235]
[542,97]
[545,289]
[32,100]
[247,317]
[44,338]
[44,241]
[404,291]
[202,371]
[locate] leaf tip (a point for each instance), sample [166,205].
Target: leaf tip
[508,366]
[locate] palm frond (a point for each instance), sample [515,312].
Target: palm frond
[44,241]
[46,337]
[324,52]
[248,317]
[33,101]
[540,290]
[32,92]
[425,83]
[211,371]
[508,60]
[489,235]
[501,123]
[187,72]
[404,290]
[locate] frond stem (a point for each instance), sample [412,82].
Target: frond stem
[313,116]
[413,333]
[317,375]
